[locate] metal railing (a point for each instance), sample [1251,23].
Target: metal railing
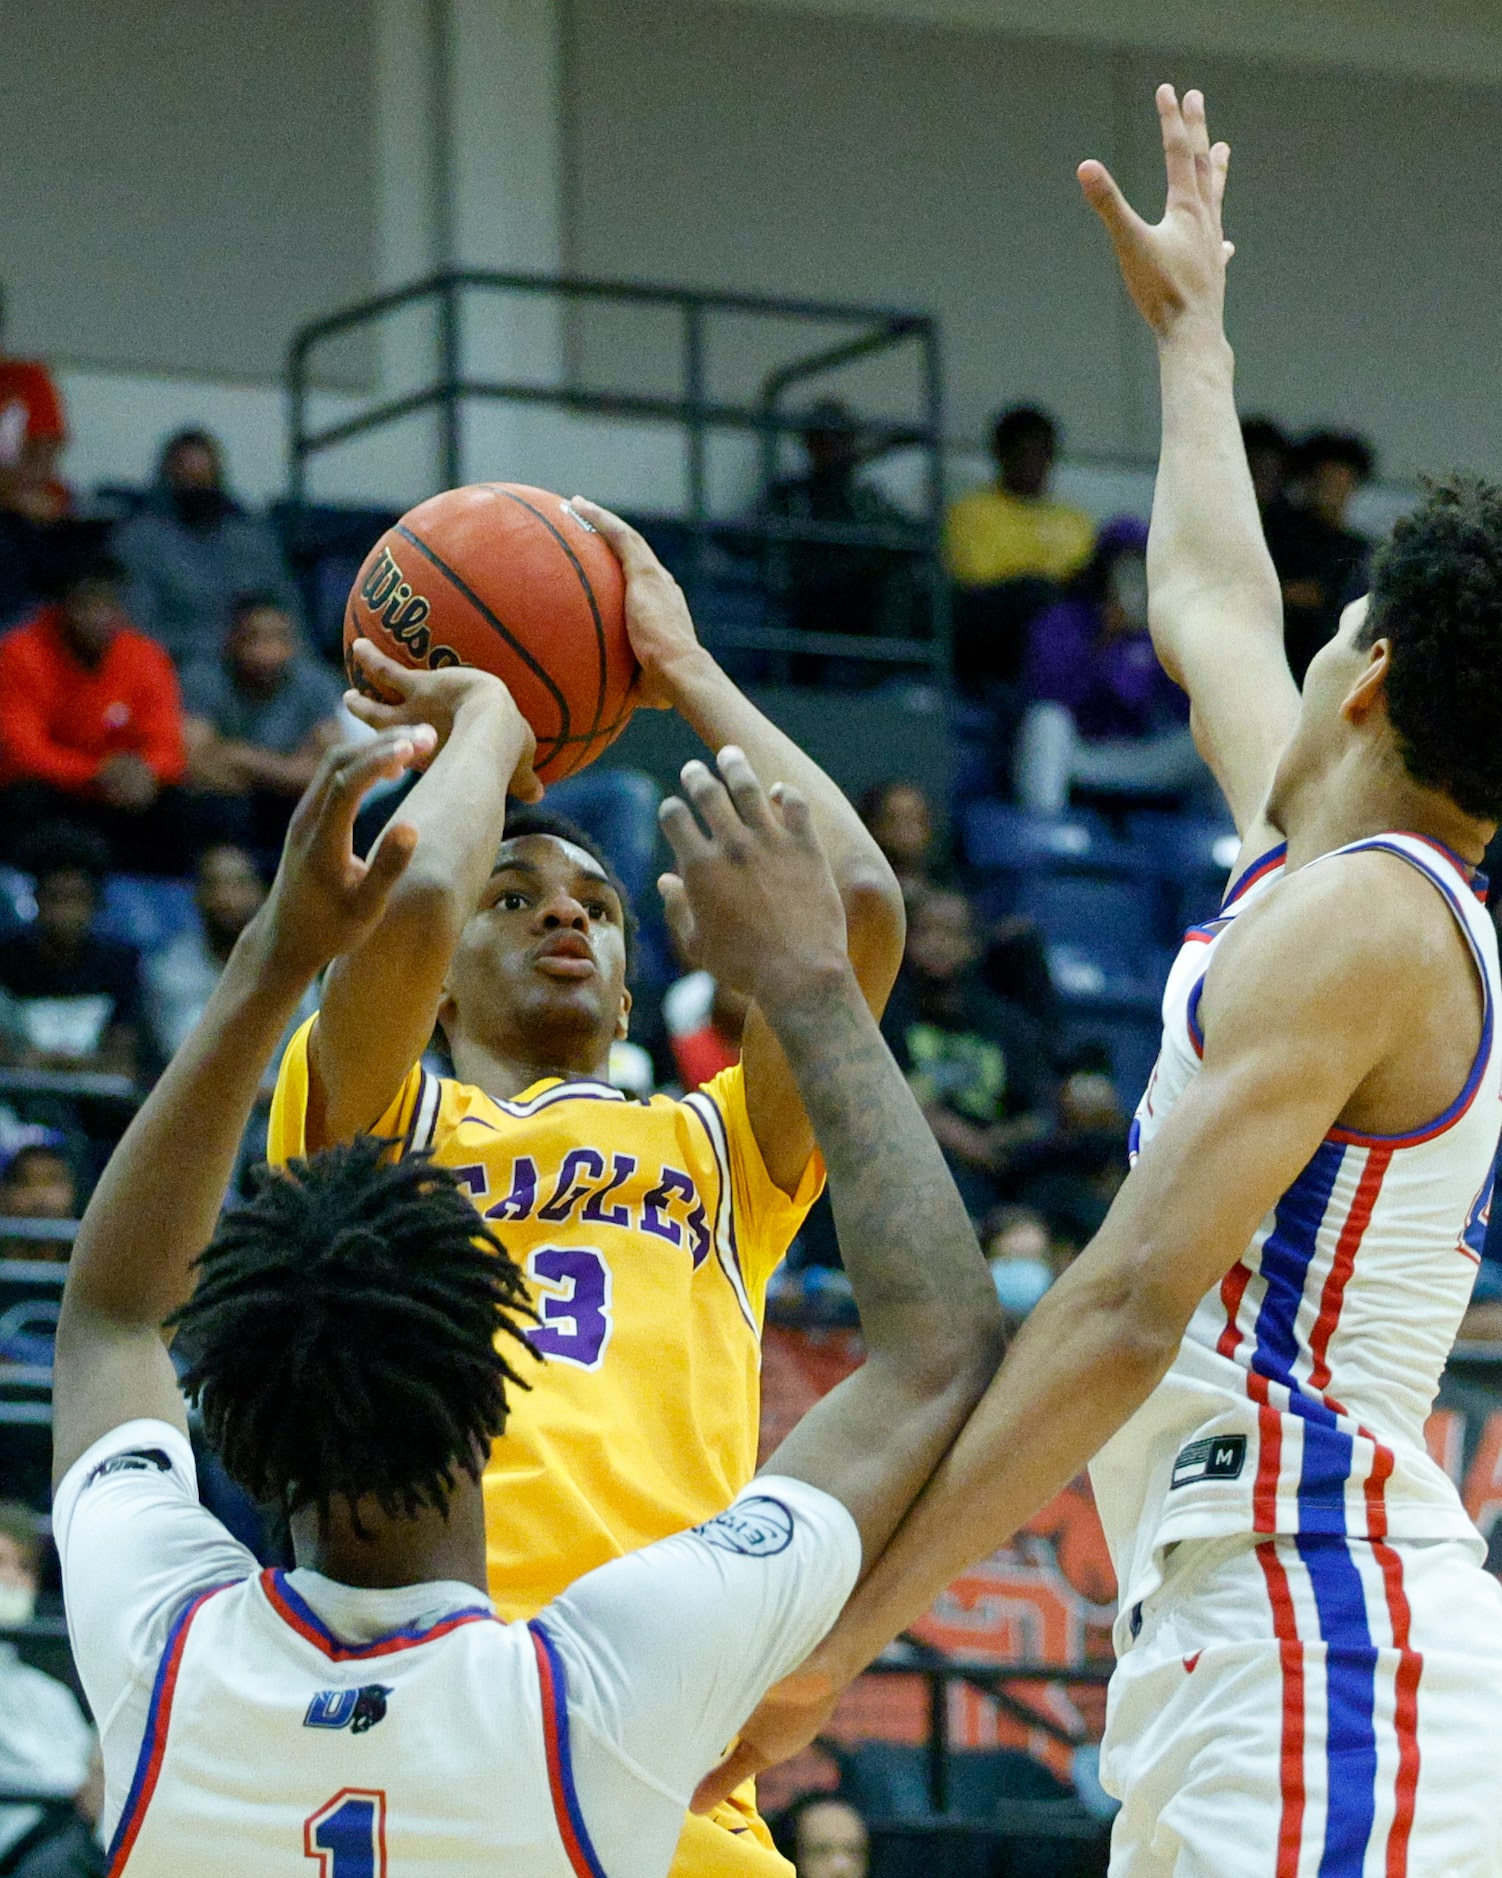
[694,410]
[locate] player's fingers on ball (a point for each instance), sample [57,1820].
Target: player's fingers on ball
[628,544]
[745,788]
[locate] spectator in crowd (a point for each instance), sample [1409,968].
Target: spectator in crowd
[1269,457]
[227,894]
[1020,1254]
[1101,713]
[834,586]
[1321,561]
[38,1182]
[91,725]
[703,1020]
[259,717]
[976,1063]
[901,820]
[70,999]
[1008,547]
[825,1837]
[33,432]
[193,549]
[47,1748]
[1071,1174]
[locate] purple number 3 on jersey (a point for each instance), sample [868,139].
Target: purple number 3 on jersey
[576,1321]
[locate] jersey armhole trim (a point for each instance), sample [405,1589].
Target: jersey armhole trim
[727,1252]
[1253,872]
[154,1741]
[553,1686]
[1415,1137]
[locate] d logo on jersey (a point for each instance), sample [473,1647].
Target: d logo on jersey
[356,1709]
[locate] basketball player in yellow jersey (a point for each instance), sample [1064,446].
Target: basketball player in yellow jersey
[648,1230]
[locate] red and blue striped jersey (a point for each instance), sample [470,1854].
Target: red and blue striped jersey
[1298,1398]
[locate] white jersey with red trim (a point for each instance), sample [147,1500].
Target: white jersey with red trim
[257,1722]
[1298,1398]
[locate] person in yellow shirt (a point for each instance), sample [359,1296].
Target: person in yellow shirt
[1012,529]
[647,1230]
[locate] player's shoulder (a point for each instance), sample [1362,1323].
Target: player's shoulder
[1363,917]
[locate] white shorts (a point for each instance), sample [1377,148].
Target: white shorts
[1311,1708]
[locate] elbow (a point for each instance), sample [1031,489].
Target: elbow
[875,919]
[1141,1320]
[959,1365]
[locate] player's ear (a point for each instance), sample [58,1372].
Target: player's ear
[623,1021]
[1371,685]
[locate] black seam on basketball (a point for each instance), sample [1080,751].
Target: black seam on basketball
[605,730]
[564,714]
[589,592]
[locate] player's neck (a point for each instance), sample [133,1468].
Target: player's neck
[505,1073]
[388,1553]
[1370,793]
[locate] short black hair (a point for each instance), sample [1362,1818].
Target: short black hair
[257,600]
[1336,446]
[525,819]
[1436,595]
[91,567]
[191,437]
[65,848]
[342,1336]
[1262,433]
[1021,423]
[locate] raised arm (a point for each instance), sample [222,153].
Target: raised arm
[1215,609]
[156,1204]
[1291,1033]
[928,1308]
[458,811]
[677,672]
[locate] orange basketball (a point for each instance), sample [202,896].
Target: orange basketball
[514,581]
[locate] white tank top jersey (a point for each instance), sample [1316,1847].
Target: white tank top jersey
[257,1722]
[1298,1398]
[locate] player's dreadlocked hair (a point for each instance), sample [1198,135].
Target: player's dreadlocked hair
[342,1336]
[1437,596]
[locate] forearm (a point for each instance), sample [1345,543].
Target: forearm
[720,713]
[1207,559]
[156,1205]
[924,1294]
[1080,1366]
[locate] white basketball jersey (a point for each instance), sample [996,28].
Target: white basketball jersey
[271,1743]
[1298,1398]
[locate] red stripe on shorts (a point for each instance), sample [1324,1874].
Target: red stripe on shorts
[1405,1711]
[1291,1759]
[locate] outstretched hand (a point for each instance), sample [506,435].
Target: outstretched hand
[789,1716]
[1177,266]
[753,899]
[325,900]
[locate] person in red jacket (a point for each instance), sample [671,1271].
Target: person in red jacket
[91,727]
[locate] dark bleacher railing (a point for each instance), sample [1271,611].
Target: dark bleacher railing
[697,414]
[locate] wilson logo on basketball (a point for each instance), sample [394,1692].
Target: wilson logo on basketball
[388,594]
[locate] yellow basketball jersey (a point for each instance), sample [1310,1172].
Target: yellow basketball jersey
[648,1232]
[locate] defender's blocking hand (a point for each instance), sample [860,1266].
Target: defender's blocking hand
[324,899]
[753,899]
[1177,266]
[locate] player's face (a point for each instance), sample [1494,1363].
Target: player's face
[832,1842]
[541,969]
[1334,672]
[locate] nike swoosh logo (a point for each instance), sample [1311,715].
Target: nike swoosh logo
[1190,1661]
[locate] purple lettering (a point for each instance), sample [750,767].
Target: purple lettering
[519,1202]
[653,1218]
[598,1215]
[570,1189]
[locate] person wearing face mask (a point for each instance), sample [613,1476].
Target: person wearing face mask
[193,549]
[46,1747]
[1102,715]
